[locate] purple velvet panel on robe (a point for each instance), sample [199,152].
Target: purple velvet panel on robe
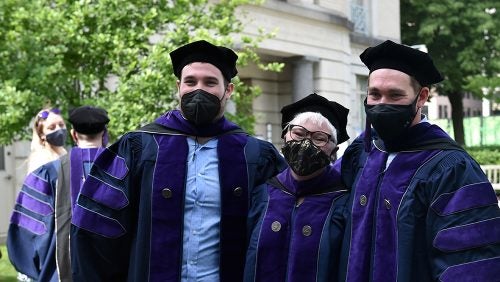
[79,157]
[468,236]
[97,223]
[35,205]
[112,164]
[380,202]
[362,218]
[235,196]
[27,222]
[105,194]
[484,270]
[166,212]
[39,185]
[468,197]
[273,246]
[391,191]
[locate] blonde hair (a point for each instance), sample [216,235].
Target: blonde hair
[41,152]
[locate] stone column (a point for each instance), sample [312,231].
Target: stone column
[303,76]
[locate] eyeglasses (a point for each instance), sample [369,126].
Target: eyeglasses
[45,114]
[299,133]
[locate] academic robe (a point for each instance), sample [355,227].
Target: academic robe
[430,215]
[38,236]
[128,222]
[299,233]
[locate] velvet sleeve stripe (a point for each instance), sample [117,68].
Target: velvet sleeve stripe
[112,164]
[468,197]
[35,205]
[38,184]
[104,193]
[97,223]
[27,222]
[468,236]
[480,270]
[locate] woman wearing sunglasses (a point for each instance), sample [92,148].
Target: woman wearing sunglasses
[49,137]
[301,210]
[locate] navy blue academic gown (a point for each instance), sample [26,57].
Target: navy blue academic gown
[38,236]
[300,228]
[128,222]
[430,215]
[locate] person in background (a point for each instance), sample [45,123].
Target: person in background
[49,137]
[38,235]
[302,211]
[421,207]
[169,202]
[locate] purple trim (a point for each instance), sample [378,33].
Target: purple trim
[166,213]
[392,189]
[28,223]
[35,205]
[234,210]
[104,193]
[481,270]
[38,184]
[78,158]
[272,249]
[468,197]
[362,218]
[96,223]
[468,236]
[112,164]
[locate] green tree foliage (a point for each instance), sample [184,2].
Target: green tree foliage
[463,39]
[66,53]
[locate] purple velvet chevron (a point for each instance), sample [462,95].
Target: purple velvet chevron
[35,205]
[481,270]
[28,223]
[468,197]
[468,236]
[96,223]
[38,184]
[112,164]
[105,194]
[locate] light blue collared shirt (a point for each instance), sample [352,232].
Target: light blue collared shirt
[202,213]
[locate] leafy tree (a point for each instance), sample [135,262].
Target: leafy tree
[110,53]
[463,39]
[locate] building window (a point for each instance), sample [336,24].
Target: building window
[361,88]
[440,111]
[358,16]
[445,111]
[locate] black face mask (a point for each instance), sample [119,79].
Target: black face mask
[200,107]
[57,138]
[391,121]
[304,157]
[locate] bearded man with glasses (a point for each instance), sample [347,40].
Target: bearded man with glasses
[301,210]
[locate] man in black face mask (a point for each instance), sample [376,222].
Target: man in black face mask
[170,201]
[421,207]
[299,234]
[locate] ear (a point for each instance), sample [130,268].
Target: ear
[423,97]
[333,155]
[229,90]
[72,132]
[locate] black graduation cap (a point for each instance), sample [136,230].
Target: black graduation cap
[415,63]
[202,51]
[334,112]
[88,119]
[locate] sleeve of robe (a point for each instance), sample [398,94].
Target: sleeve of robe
[463,221]
[31,239]
[104,215]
